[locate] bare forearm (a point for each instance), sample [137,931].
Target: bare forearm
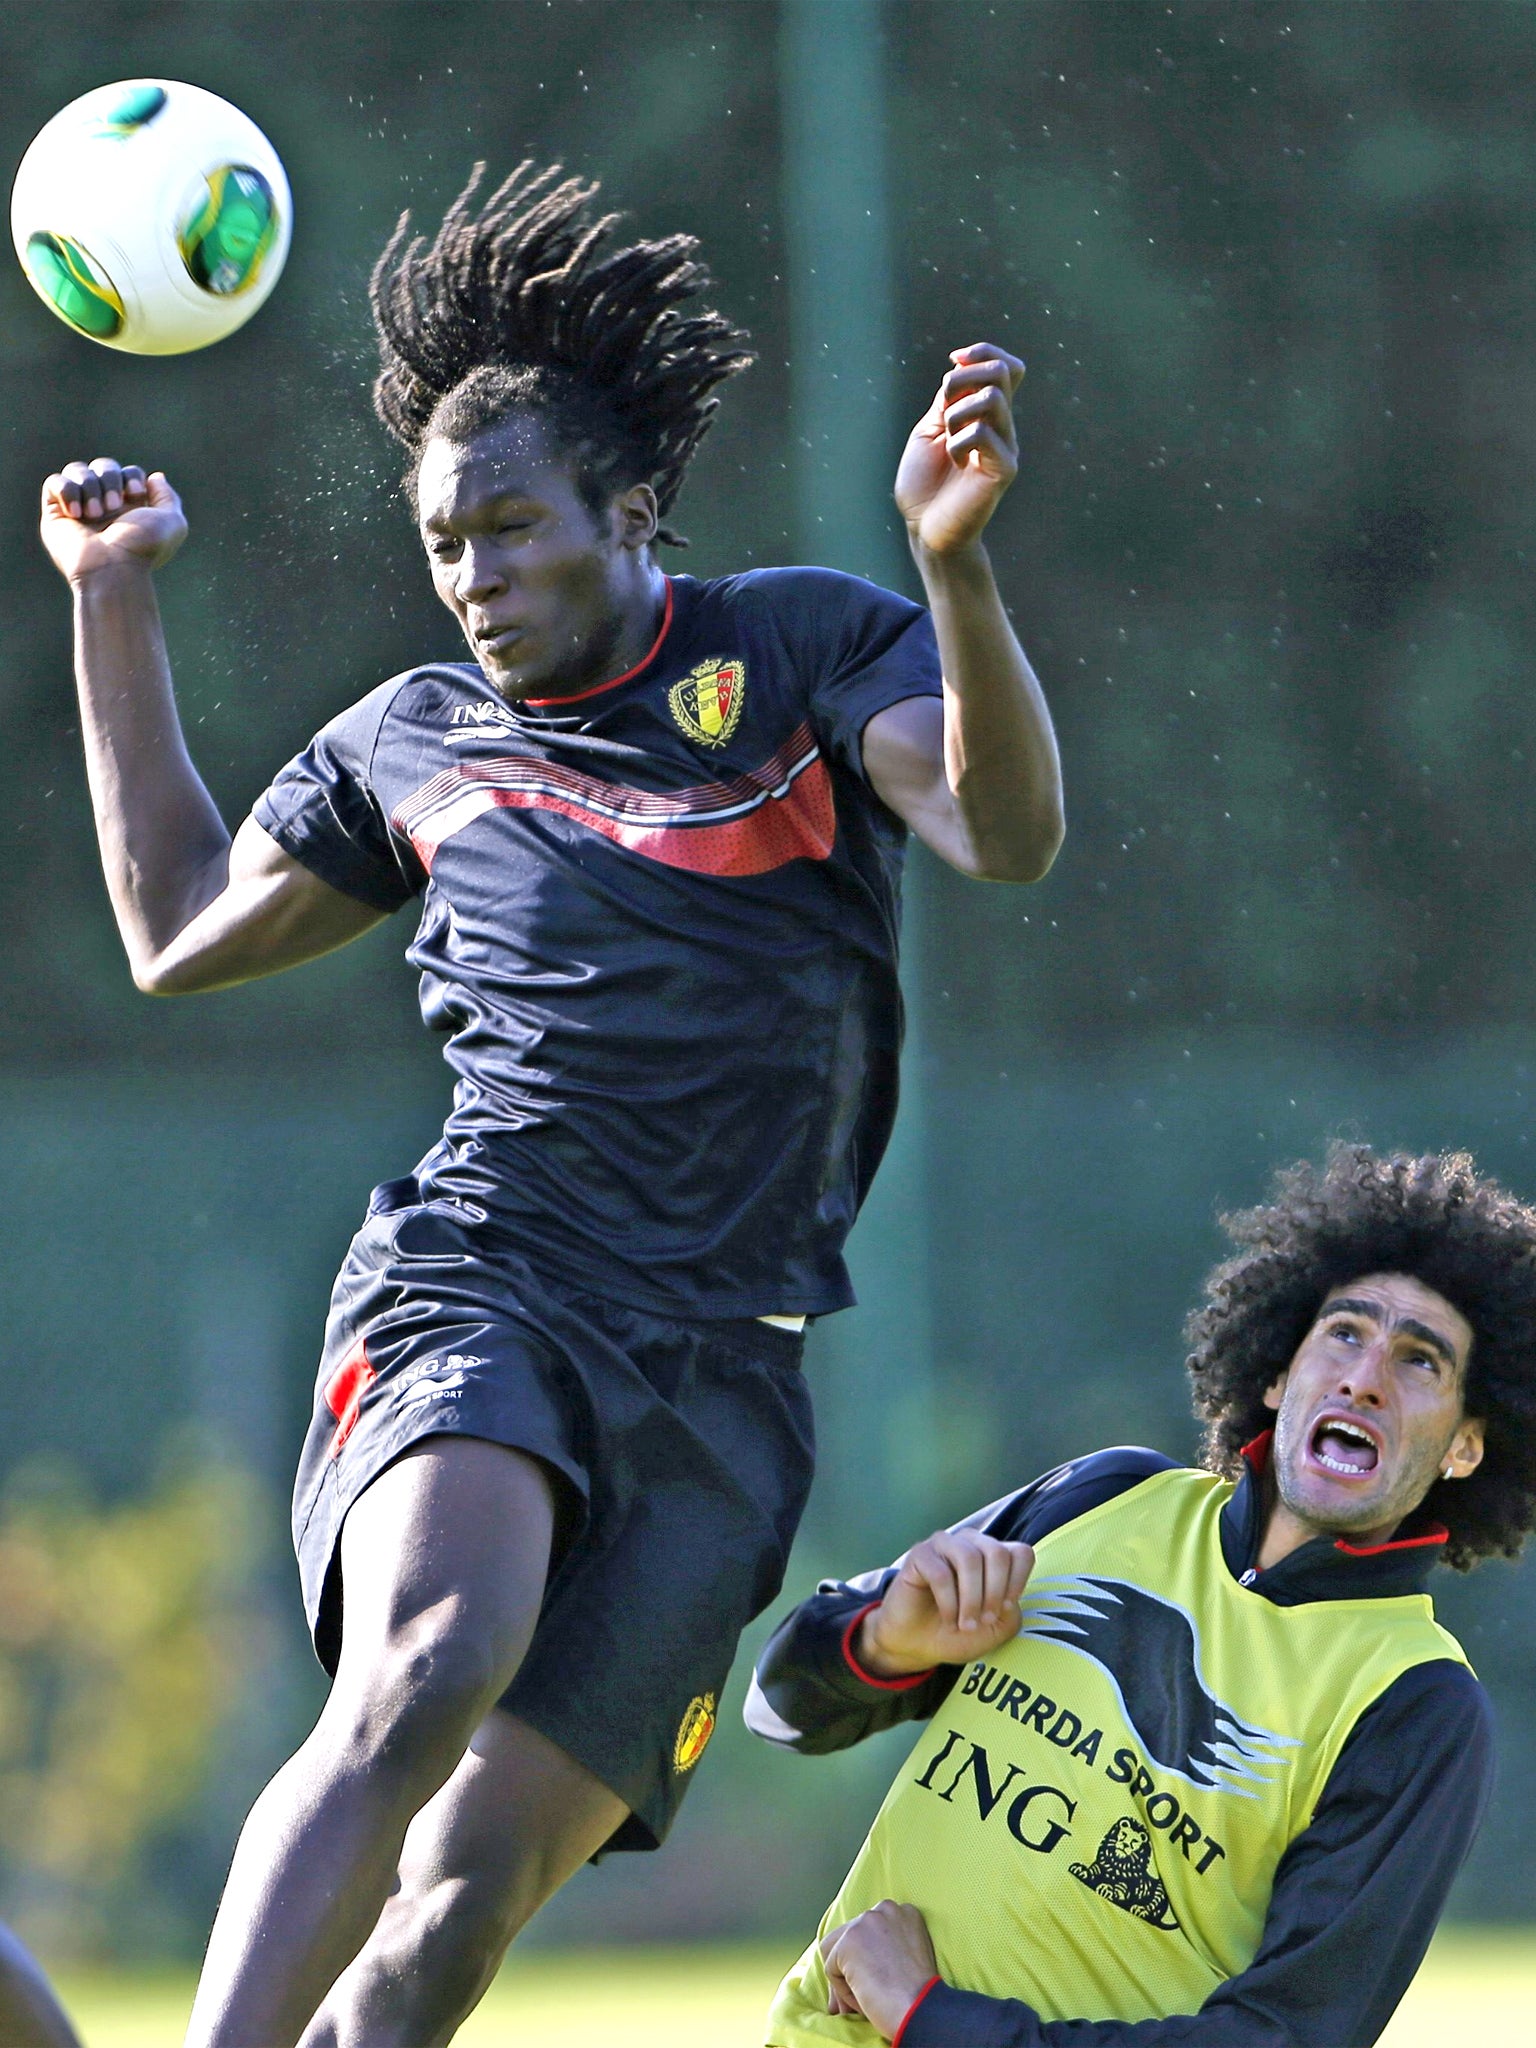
[164,847]
[1000,756]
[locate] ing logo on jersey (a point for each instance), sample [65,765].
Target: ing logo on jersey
[1150,1651]
[707,702]
[693,1734]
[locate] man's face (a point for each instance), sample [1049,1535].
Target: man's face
[540,585]
[1369,1411]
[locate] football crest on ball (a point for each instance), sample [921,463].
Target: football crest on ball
[76,286]
[228,229]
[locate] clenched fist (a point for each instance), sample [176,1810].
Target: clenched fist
[955,1597]
[877,1964]
[109,515]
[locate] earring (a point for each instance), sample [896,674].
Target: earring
[1449,1472]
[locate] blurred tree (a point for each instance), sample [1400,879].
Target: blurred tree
[120,1655]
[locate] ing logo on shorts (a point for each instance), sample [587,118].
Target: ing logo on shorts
[707,702]
[693,1734]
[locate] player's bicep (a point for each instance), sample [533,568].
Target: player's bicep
[903,749]
[271,912]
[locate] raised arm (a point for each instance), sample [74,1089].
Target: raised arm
[861,1655]
[195,910]
[978,779]
[851,1661]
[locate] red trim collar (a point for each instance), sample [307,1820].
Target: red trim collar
[868,1677]
[1255,1453]
[597,689]
[1437,1532]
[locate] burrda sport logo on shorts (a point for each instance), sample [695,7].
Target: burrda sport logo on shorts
[693,1733]
[707,702]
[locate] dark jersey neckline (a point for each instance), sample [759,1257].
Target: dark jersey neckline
[598,689]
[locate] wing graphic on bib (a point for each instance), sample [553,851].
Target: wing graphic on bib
[1149,1648]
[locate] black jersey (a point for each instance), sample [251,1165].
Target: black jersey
[659,927]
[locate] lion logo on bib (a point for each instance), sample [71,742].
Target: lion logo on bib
[1122,1873]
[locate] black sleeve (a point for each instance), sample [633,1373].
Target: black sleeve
[808,1693]
[323,810]
[860,648]
[1355,1901]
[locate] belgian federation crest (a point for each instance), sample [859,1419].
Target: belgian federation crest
[707,702]
[698,1724]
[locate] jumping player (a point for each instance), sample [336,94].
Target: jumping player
[560,1441]
[1209,1778]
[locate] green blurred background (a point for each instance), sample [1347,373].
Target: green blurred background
[1273,270]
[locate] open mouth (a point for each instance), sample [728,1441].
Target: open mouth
[499,638]
[1345,1448]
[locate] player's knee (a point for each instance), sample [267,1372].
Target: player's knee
[417,1696]
[468,1925]
[432,1960]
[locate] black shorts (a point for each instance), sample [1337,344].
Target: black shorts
[686,1448]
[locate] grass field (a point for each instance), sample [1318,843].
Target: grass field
[1474,1988]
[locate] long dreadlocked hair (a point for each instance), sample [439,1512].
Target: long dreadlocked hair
[1433,1217]
[519,303]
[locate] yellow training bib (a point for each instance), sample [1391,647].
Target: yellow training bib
[1092,1820]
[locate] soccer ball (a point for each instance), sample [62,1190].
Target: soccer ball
[151,216]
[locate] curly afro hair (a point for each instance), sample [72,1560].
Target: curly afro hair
[520,303]
[1434,1218]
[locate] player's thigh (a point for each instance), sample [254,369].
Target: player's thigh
[517,1818]
[450,1543]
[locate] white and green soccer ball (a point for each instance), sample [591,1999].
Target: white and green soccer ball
[151,216]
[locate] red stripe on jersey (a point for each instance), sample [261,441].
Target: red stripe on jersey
[1255,1453]
[344,1392]
[758,821]
[613,799]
